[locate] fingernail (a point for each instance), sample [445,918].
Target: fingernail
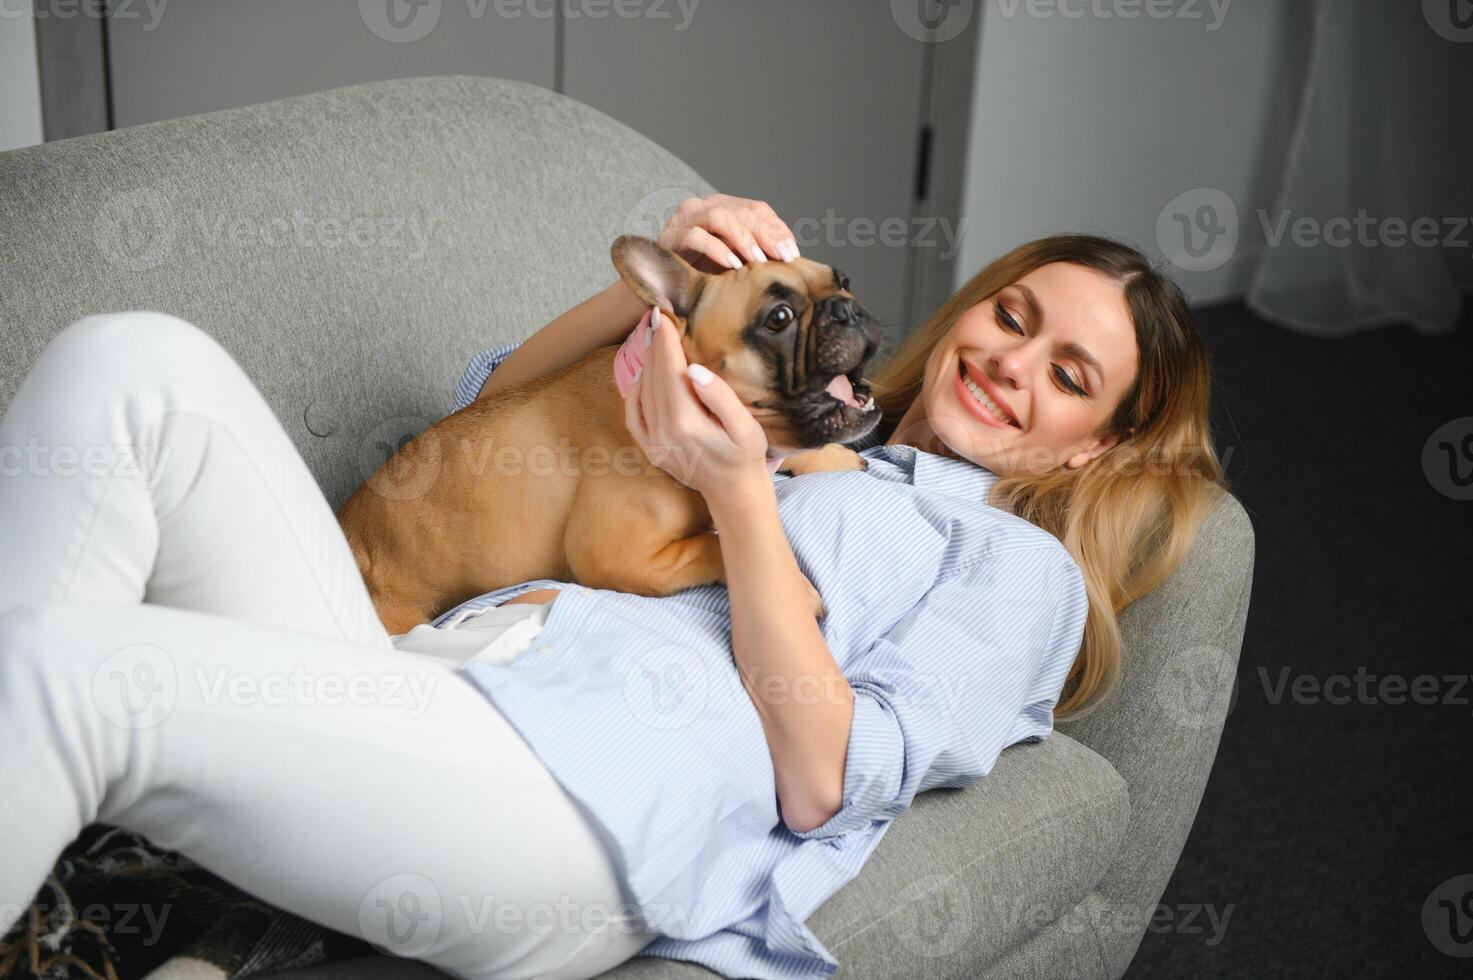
[733,261]
[699,373]
[792,249]
[757,254]
[637,372]
[649,335]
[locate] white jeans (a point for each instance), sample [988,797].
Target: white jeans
[187,650]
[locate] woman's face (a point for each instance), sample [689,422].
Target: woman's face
[1025,381]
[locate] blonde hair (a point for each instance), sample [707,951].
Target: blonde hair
[1129,516]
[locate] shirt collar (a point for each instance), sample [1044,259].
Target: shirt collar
[901,463]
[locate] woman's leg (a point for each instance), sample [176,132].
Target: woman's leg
[373,791]
[138,463]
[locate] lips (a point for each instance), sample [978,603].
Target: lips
[966,378]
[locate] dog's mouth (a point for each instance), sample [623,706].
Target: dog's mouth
[841,409]
[849,390]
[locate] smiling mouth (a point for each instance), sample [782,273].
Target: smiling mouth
[982,400]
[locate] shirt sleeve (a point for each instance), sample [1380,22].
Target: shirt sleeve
[478,370]
[977,665]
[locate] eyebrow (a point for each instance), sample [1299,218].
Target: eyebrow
[1071,348]
[779,291]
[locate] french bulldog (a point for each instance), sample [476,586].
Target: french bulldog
[544,480]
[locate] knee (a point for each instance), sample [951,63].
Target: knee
[135,338]
[127,329]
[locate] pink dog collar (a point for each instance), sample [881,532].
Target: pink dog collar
[629,358]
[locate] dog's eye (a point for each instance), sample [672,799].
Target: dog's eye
[780,316]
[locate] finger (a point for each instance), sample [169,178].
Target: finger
[773,233]
[769,231]
[652,380]
[633,416]
[735,224]
[725,404]
[701,241]
[666,361]
[686,422]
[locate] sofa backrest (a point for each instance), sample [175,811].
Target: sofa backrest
[351,248]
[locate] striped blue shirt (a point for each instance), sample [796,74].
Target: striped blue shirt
[954,622]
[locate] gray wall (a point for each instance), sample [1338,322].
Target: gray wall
[203,55]
[20,94]
[815,106]
[1096,123]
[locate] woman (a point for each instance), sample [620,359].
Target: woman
[187,650]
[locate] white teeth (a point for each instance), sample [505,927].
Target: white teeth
[986,402]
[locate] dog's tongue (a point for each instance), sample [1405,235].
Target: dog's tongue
[841,389]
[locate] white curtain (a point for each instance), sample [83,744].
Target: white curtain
[1372,223]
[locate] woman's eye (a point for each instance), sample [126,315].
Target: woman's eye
[780,317]
[1007,319]
[1068,382]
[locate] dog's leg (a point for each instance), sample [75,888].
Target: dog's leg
[647,537]
[831,457]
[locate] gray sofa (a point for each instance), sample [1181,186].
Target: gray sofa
[353,248]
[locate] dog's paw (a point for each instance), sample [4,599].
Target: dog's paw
[815,601]
[832,457]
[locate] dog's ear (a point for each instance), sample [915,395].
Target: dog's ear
[657,275]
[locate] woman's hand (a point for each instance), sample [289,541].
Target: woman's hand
[690,422]
[720,232]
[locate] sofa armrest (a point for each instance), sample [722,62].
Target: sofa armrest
[965,875]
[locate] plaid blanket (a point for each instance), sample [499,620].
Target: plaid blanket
[116,908]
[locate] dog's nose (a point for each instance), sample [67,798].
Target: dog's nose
[840,310]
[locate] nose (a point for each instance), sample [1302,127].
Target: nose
[1010,365]
[840,310]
